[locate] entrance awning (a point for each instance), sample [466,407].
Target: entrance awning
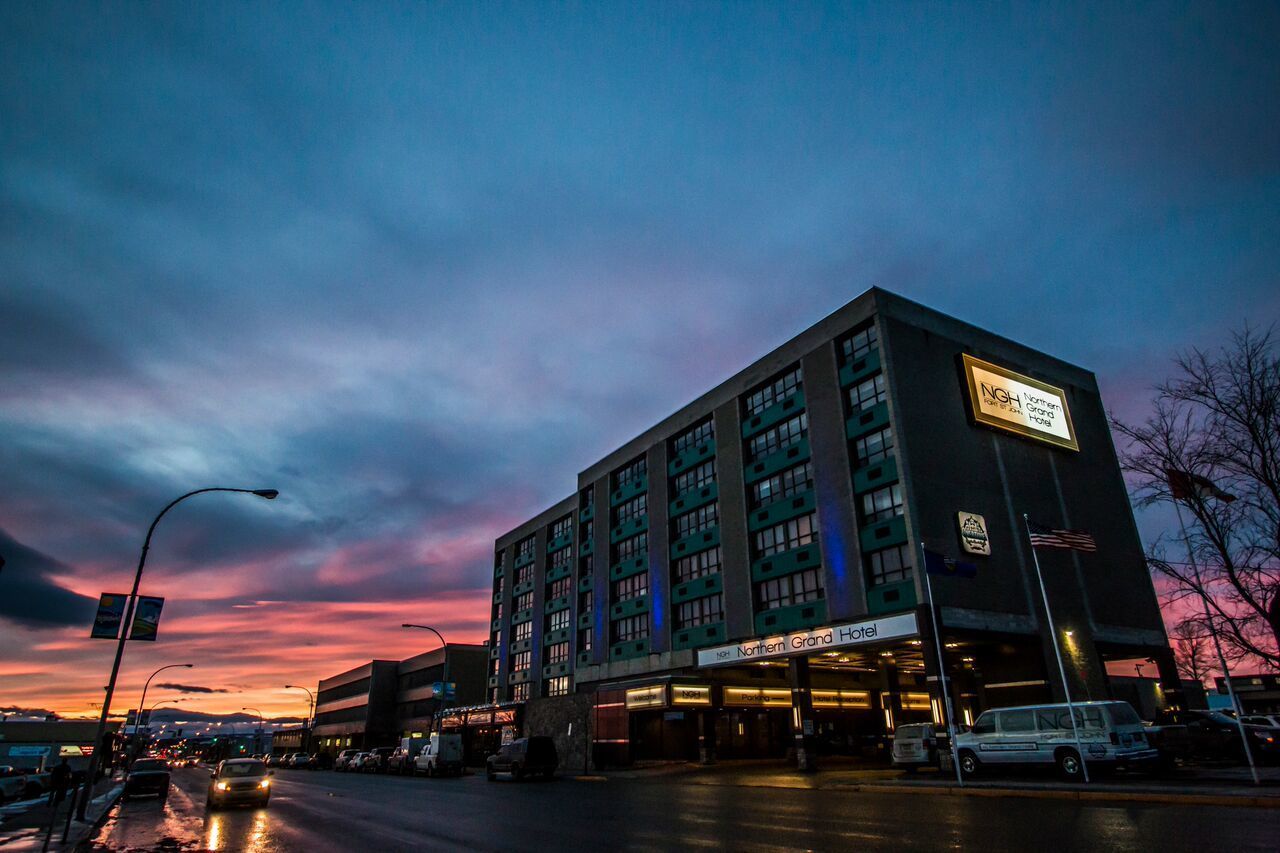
[883,629]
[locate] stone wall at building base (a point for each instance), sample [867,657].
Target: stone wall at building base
[553,717]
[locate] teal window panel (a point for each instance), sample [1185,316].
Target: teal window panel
[698,636]
[693,499]
[883,534]
[867,420]
[891,597]
[780,510]
[777,565]
[697,588]
[775,462]
[859,369]
[792,618]
[629,528]
[870,477]
[696,542]
[779,411]
[692,457]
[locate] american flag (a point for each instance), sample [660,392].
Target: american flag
[1074,540]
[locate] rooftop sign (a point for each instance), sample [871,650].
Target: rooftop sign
[1018,404]
[817,640]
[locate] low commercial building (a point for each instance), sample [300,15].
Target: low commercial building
[40,744]
[380,702]
[1258,693]
[744,578]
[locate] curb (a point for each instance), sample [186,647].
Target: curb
[89,829]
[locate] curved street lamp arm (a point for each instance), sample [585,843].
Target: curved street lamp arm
[426,628]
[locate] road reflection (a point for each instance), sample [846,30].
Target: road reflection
[248,830]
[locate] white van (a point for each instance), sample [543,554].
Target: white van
[916,745]
[1111,734]
[441,756]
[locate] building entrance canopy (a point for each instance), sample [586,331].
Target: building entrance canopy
[895,627]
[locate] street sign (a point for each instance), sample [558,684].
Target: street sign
[146,618]
[106,624]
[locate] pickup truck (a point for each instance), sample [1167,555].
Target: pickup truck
[18,784]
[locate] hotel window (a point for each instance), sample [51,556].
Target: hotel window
[630,548]
[525,548]
[562,527]
[789,589]
[497,611]
[586,566]
[631,628]
[700,611]
[771,392]
[560,559]
[784,484]
[890,565]
[521,660]
[691,438]
[873,447]
[524,574]
[585,601]
[633,508]
[520,692]
[558,621]
[560,587]
[630,472]
[523,602]
[558,686]
[866,394]
[584,639]
[499,584]
[859,343]
[495,640]
[776,438]
[499,560]
[586,497]
[882,504]
[521,631]
[496,668]
[700,519]
[696,565]
[588,530]
[694,478]
[632,587]
[557,653]
[792,533]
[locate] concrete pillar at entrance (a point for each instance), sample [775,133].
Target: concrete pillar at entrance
[707,737]
[802,723]
[890,694]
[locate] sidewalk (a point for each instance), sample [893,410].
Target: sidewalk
[1229,786]
[24,825]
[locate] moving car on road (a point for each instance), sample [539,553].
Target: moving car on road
[147,777]
[1110,733]
[239,780]
[442,756]
[528,756]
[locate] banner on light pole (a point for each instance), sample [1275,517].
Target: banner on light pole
[106,624]
[146,618]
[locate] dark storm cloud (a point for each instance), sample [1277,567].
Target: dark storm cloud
[190,688]
[30,596]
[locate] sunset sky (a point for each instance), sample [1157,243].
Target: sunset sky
[416,266]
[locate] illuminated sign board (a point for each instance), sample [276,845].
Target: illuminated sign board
[686,694]
[817,640]
[758,697]
[841,698]
[654,696]
[973,533]
[1009,401]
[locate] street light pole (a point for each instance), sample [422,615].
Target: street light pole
[435,722]
[257,739]
[96,759]
[311,715]
[142,703]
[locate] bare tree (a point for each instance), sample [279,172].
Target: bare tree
[1191,650]
[1216,427]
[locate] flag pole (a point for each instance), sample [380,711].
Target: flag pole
[1053,635]
[1217,645]
[942,670]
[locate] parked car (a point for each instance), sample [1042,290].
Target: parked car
[1271,721]
[357,761]
[400,761]
[1110,733]
[441,756]
[1172,742]
[239,780]
[915,745]
[343,761]
[147,776]
[1214,735]
[17,784]
[528,756]
[301,761]
[376,760]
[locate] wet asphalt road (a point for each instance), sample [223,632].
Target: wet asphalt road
[325,811]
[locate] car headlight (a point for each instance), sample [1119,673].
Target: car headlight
[221,786]
[265,783]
